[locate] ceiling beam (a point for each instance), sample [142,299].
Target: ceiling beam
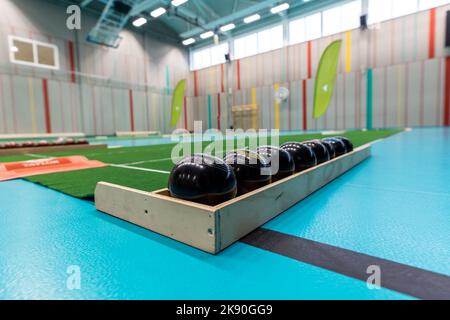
[85,3]
[230,18]
[148,5]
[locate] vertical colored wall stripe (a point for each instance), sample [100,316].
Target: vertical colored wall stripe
[432,35]
[72,61]
[185,114]
[196,83]
[297,106]
[209,112]
[32,105]
[254,105]
[219,112]
[238,71]
[47,116]
[309,59]
[369,99]
[277,107]
[348,51]
[130,96]
[447,93]
[167,80]
[222,80]
[305,106]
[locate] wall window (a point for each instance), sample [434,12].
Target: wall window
[270,39]
[351,15]
[313,26]
[342,18]
[427,4]
[332,20]
[263,41]
[201,58]
[246,46]
[297,31]
[218,53]
[33,53]
[380,10]
[211,56]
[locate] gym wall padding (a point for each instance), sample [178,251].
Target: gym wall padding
[407,57]
[91,91]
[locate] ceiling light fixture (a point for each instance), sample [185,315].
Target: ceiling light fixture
[188,41]
[158,12]
[177,3]
[228,27]
[252,18]
[139,22]
[207,35]
[282,7]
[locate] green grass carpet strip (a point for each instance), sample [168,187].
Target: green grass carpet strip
[81,184]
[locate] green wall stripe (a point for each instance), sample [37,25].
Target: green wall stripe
[167,80]
[210,112]
[369,99]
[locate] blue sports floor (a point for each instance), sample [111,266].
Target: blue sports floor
[395,206]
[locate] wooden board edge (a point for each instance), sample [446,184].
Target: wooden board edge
[192,225]
[237,219]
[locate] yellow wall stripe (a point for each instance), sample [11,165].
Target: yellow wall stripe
[348,51]
[32,105]
[254,104]
[277,108]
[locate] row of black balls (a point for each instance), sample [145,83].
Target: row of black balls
[208,180]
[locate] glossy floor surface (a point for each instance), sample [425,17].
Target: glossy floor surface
[394,206]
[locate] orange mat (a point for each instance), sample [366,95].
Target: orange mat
[15,170]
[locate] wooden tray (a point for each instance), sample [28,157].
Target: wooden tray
[212,229]
[41,150]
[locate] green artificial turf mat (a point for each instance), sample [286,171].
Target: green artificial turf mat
[81,184]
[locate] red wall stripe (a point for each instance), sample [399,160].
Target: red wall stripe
[219,112]
[185,114]
[447,93]
[238,71]
[432,35]
[48,121]
[61,104]
[309,59]
[305,111]
[196,83]
[72,61]
[130,95]
[222,82]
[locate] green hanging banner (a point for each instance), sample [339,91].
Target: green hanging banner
[326,78]
[177,102]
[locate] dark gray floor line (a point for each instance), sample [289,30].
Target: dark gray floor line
[399,277]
